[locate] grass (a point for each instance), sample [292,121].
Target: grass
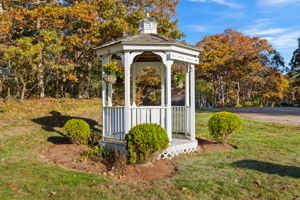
[265,165]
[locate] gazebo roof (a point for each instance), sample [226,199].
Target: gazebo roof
[148,39]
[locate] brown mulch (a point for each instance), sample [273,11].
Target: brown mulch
[70,156]
[209,145]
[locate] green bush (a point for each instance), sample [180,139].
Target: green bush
[78,130]
[238,106]
[144,140]
[222,124]
[248,104]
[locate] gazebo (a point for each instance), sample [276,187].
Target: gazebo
[135,53]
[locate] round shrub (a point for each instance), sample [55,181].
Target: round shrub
[144,140]
[222,124]
[78,130]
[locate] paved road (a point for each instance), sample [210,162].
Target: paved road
[289,116]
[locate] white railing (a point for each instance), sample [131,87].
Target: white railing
[113,119]
[113,126]
[180,119]
[148,114]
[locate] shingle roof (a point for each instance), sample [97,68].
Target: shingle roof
[148,39]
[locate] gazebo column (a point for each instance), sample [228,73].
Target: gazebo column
[162,96]
[127,63]
[187,87]
[109,98]
[169,64]
[134,86]
[192,82]
[104,61]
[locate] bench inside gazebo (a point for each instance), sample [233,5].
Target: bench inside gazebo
[148,49]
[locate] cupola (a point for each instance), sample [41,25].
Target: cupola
[148,25]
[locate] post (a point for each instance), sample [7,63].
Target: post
[192,82]
[187,87]
[127,65]
[187,100]
[104,61]
[169,100]
[109,95]
[162,96]
[134,86]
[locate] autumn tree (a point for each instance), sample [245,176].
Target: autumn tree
[234,63]
[67,32]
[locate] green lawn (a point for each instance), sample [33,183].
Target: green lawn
[265,165]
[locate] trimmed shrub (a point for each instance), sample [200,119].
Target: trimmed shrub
[78,130]
[144,140]
[222,124]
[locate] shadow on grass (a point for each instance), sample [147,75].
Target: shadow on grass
[269,168]
[57,120]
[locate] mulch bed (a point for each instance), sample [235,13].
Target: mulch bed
[70,156]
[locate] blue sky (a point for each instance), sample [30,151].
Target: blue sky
[275,20]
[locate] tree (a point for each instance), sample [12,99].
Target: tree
[235,64]
[67,32]
[294,73]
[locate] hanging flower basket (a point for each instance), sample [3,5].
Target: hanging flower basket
[110,79]
[111,70]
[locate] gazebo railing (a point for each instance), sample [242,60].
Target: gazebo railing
[148,114]
[113,126]
[180,119]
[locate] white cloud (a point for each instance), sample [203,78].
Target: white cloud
[285,41]
[262,27]
[270,31]
[196,28]
[276,2]
[227,3]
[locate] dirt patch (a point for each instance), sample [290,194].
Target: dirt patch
[151,171]
[69,156]
[209,145]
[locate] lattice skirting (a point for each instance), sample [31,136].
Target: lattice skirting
[178,146]
[176,149]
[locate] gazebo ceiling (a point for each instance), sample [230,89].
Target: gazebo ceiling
[147,56]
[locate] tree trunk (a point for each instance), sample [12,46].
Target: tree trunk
[222,94]
[62,88]
[214,100]
[238,94]
[41,84]
[8,93]
[23,91]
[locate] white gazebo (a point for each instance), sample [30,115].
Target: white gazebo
[135,53]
